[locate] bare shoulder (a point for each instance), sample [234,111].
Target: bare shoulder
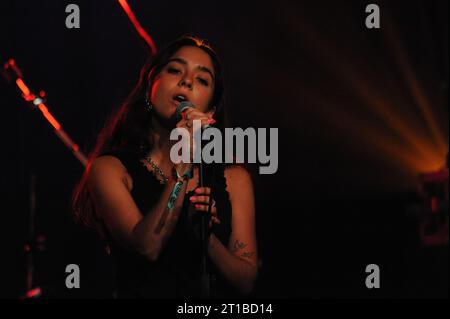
[107,168]
[237,173]
[238,180]
[107,165]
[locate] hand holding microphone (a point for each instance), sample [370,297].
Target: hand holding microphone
[186,114]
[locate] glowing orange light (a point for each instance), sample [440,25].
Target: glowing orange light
[49,117]
[37,102]
[25,90]
[29,97]
[385,125]
[138,27]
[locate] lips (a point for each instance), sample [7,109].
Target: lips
[179,98]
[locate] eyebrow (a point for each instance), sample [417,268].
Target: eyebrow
[200,67]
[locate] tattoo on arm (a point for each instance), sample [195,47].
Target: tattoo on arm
[248,254]
[238,245]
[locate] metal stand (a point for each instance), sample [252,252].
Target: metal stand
[12,74]
[205,280]
[204,237]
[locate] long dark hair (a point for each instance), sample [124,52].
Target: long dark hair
[129,128]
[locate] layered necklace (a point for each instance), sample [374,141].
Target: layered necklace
[156,169]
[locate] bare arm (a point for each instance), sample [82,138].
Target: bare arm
[109,185]
[238,261]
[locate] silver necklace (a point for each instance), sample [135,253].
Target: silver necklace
[157,169]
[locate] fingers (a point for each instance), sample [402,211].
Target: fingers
[202,196]
[194,114]
[203,190]
[215,220]
[201,202]
[200,199]
[204,208]
[190,115]
[204,121]
[189,123]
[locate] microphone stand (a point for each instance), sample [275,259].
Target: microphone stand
[29,248]
[205,280]
[12,73]
[204,234]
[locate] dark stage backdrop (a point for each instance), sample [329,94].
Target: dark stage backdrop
[361,113]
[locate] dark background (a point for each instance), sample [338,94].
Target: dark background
[361,112]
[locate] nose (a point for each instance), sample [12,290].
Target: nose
[186,82]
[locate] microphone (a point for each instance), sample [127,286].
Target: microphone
[184,106]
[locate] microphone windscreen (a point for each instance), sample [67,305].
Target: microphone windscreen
[183,106]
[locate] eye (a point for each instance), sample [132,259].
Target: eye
[173,70]
[203,81]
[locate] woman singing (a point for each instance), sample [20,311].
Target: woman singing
[129,183]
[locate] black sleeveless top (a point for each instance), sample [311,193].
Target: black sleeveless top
[176,272]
